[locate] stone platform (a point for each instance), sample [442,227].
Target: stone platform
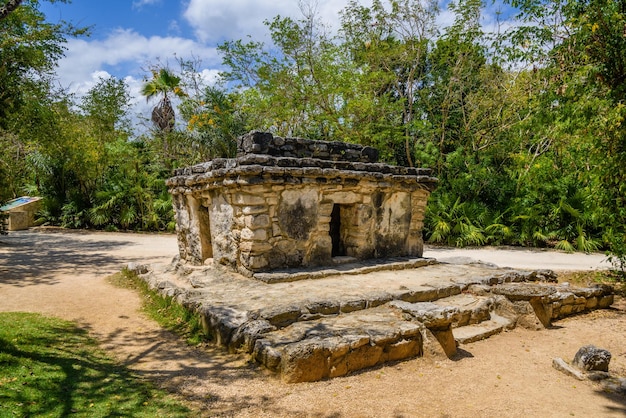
[327,322]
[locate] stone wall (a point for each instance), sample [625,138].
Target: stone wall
[266,210]
[266,143]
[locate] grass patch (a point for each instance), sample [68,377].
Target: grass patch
[52,368]
[164,309]
[591,277]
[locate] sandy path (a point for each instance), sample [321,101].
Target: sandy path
[523,258]
[63,274]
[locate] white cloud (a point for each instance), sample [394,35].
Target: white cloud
[214,21]
[81,87]
[209,77]
[217,20]
[138,4]
[129,51]
[173,28]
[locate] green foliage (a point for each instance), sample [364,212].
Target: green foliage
[456,223]
[91,175]
[52,368]
[359,86]
[29,50]
[215,121]
[134,196]
[524,128]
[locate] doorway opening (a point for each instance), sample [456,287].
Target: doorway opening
[339,247]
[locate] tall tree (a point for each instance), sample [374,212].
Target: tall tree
[296,86]
[360,86]
[598,32]
[215,121]
[163,83]
[30,48]
[392,42]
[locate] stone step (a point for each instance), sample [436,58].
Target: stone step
[344,266]
[485,329]
[471,309]
[334,346]
[324,327]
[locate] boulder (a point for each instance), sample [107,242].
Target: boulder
[590,357]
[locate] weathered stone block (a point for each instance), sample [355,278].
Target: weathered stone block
[304,363]
[253,235]
[403,349]
[343,197]
[566,310]
[605,301]
[254,210]
[257,221]
[591,303]
[324,308]
[256,262]
[363,357]
[267,355]
[353,305]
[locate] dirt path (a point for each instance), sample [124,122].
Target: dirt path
[63,274]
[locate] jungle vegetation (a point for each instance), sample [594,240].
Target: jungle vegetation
[522,125]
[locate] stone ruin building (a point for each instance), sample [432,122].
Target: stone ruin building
[291,202]
[284,204]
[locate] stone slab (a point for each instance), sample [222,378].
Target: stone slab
[351,267]
[476,332]
[471,309]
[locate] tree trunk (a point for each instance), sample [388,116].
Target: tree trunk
[9,7]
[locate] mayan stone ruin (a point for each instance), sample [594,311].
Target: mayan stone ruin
[291,202]
[321,268]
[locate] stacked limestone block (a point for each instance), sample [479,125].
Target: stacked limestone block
[290,202]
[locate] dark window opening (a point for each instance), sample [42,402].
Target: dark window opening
[339,248]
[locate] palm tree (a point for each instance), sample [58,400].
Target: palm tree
[163,82]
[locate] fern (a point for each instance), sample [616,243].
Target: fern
[583,243]
[565,245]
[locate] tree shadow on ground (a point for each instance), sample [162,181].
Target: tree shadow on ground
[213,380]
[616,398]
[33,258]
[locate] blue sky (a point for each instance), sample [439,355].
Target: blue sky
[129,36]
[107,16]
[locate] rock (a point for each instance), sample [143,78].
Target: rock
[433,316]
[137,268]
[589,357]
[245,336]
[560,364]
[523,291]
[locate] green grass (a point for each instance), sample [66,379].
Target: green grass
[52,368]
[164,309]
